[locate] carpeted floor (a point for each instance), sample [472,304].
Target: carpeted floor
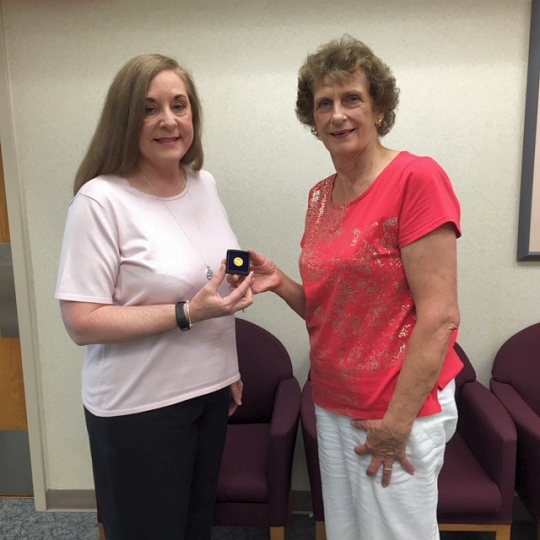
[19,521]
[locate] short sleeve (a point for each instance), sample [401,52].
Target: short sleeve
[428,201]
[90,256]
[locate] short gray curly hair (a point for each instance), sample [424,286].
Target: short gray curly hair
[338,60]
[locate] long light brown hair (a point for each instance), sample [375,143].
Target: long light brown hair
[114,148]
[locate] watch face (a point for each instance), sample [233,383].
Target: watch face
[237,262]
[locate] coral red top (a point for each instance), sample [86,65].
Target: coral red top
[360,312]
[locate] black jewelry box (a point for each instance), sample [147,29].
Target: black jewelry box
[237,262]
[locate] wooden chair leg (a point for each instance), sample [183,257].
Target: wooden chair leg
[277,533]
[503,532]
[101,532]
[320,530]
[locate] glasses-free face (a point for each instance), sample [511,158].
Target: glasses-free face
[345,118]
[167,130]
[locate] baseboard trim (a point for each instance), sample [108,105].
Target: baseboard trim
[71,500]
[84,500]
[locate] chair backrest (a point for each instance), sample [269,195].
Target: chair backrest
[518,364]
[264,363]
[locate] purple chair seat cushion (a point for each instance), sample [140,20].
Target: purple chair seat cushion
[464,486]
[243,474]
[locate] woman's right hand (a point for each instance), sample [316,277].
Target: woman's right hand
[266,275]
[208,303]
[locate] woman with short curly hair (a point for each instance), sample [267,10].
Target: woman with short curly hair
[379,297]
[338,60]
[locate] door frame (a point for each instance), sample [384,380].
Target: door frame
[20,252]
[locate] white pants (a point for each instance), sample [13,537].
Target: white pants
[356,506]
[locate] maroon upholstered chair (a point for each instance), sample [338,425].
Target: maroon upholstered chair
[255,478]
[476,484]
[516,382]
[309,436]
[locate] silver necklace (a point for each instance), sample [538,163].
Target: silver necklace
[209,272]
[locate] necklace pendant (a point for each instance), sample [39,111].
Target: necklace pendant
[209,273]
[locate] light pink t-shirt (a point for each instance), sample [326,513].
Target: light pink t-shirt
[123,247]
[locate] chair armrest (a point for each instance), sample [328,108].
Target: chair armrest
[527,425]
[524,417]
[491,435]
[282,439]
[286,409]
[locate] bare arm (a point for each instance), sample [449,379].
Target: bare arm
[293,293]
[99,323]
[431,270]
[268,277]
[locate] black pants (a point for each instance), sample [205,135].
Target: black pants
[156,472]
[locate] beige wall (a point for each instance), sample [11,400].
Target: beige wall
[461,67]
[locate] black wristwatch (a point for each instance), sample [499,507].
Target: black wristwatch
[183,322]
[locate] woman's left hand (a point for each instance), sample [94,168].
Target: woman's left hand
[209,304]
[386,446]
[237,388]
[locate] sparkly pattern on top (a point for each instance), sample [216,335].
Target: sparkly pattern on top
[359,311]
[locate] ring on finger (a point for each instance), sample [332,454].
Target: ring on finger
[387,469]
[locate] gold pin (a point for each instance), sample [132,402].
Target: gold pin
[238,261]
